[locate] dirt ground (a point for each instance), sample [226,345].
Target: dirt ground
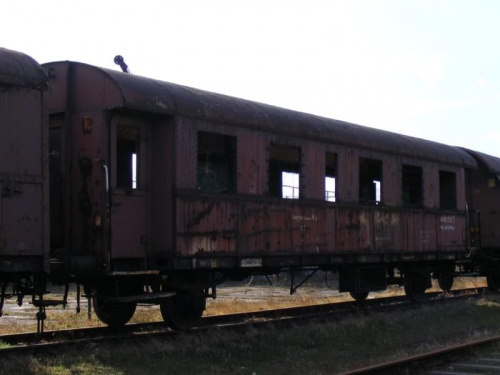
[253,290]
[257,293]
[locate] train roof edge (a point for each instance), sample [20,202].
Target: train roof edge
[492,163]
[19,69]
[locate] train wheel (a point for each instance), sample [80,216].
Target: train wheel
[493,280]
[445,283]
[113,314]
[415,284]
[359,296]
[184,310]
[445,280]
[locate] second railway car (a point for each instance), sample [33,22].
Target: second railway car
[159,192]
[24,183]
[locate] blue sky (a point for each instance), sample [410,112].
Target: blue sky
[424,68]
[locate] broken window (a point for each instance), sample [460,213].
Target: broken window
[330,176]
[447,190]
[127,157]
[284,171]
[412,184]
[216,171]
[370,181]
[290,189]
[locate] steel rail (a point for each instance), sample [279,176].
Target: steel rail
[393,366]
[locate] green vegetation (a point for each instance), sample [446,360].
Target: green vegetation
[313,348]
[3,345]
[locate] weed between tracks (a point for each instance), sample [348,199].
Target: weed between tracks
[312,348]
[316,348]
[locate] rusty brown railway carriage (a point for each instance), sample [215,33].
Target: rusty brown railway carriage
[24,237]
[158,192]
[161,179]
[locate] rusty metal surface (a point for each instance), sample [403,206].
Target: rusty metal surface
[23,165]
[146,94]
[208,226]
[18,69]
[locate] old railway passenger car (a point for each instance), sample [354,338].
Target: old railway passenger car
[159,178]
[158,192]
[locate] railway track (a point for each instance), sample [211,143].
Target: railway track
[32,342]
[454,360]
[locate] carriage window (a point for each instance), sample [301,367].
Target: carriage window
[127,157]
[216,172]
[370,181]
[330,176]
[290,188]
[447,190]
[284,171]
[412,183]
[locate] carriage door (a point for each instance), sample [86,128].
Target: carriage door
[129,193]
[474,236]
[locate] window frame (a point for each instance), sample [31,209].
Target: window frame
[407,186]
[448,203]
[131,179]
[331,172]
[229,161]
[288,163]
[369,183]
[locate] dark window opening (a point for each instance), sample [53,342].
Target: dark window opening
[127,157]
[330,176]
[447,190]
[284,171]
[216,172]
[370,181]
[412,186]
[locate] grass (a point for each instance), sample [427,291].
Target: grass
[4,345]
[316,348]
